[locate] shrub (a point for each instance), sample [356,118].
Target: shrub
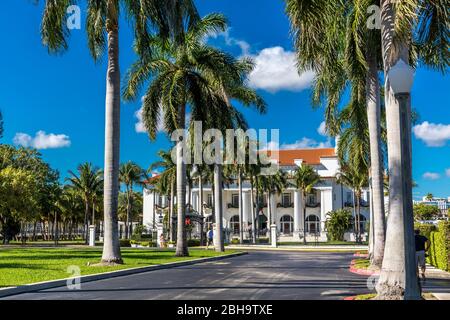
[262,240]
[235,241]
[193,243]
[337,223]
[125,243]
[439,253]
[145,244]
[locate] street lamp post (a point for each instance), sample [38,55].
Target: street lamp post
[401,77]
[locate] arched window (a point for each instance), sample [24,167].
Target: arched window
[234,224]
[286,224]
[313,224]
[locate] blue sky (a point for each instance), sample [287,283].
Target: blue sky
[62,97]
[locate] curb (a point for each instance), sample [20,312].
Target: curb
[107,275]
[363,272]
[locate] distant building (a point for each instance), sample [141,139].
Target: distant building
[442,203]
[287,207]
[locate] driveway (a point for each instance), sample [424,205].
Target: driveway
[263,275]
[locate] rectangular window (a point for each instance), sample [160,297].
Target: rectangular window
[349,197]
[311,199]
[286,200]
[235,200]
[210,200]
[160,201]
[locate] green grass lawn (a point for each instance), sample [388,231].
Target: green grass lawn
[29,265]
[362,263]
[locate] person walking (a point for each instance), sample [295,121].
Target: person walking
[422,245]
[209,237]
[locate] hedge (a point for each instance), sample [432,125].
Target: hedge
[425,229]
[439,253]
[193,242]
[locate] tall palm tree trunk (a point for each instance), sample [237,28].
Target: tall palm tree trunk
[86,227]
[218,208]
[111,246]
[127,226]
[269,217]
[376,163]
[304,217]
[171,211]
[55,229]
[358,215]
[241,211]
[398,279]
[254,214]
[182,249]
[200,208]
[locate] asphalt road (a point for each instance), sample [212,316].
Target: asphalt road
[258,275]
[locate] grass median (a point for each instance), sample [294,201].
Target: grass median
[20,266]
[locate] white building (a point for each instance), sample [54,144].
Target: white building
[443,204]
[287,207]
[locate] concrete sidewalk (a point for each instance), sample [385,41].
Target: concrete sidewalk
[435,273]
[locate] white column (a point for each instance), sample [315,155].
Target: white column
[273,234]
[298,213]
[92,236]
[246,212]
[273,209]
[326,205]
[195,200]
[159,232]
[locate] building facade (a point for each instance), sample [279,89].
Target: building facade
[287,208]
[443,205]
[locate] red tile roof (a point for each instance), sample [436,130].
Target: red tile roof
[309,156]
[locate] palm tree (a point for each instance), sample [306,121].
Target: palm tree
[409,29]
[187,73]
[166,181]
[271,185]
[167,18]
[125,212]
[352,177]
[345,52]
[305,178]
[87,182]
[130,174]
[176,83]
[429,196]
[252,170]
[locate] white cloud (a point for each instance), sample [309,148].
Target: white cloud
[322,130]
[140,127]
[434,135]
[230,41]
[42,140]
[431,175]
[304,143]
[447,172]
[276,70]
